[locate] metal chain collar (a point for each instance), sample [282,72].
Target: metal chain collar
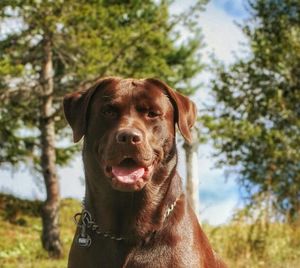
[170,209]
[85,221]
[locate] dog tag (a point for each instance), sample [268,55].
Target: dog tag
[84,241]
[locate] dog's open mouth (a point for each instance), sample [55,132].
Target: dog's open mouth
[128,171]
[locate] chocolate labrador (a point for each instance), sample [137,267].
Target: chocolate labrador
[135,213]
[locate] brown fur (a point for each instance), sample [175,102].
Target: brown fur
[148,109]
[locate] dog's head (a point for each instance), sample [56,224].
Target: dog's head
[130,126]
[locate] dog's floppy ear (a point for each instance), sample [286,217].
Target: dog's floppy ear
[76,107]
[185,109]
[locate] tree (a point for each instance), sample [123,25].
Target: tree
[256,122]
[65,45]
[192,175]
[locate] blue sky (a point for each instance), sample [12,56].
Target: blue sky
[234,8]
[218,196]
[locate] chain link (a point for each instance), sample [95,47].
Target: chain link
[170,209]
[87,221]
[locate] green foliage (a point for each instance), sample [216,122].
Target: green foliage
[256,121]
[11,208]
[51,48]
[89,39]
[15,147]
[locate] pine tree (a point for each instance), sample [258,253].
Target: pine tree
[61,46]
[256,124]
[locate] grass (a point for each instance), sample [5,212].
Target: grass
[240,245]
[256,246]
[20,229]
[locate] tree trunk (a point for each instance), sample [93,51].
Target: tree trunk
[192,178]
[50,211]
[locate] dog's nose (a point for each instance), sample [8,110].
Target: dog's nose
[128,136]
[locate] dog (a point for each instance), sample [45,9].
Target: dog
[135,213]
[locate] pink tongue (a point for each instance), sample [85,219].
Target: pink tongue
[128,174]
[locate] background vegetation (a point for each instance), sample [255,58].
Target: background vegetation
[51,48]
[254,121]
[241,245]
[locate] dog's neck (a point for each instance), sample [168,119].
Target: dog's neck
[132,215]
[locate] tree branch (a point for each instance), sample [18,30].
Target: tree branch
[181,17]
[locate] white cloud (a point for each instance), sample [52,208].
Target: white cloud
[222,36]
[23,184]
[218,213]
[218,198]
[71,179]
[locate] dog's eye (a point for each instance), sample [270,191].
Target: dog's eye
[149,112]
[109,111]
[152,114]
